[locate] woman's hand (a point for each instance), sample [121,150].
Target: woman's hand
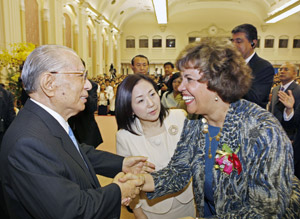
[139,213]
[137,164]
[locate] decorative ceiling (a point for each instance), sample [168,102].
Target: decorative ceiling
[118,12]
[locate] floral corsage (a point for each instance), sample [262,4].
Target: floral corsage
[227,161]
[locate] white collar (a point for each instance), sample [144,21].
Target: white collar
[287,85]
[249,58]
[56,116]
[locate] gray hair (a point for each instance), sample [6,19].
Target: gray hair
[46,58]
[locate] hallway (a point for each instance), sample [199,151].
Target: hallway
[108,128]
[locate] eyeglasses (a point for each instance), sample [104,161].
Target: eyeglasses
[84,74]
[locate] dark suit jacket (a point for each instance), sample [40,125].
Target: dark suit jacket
[44,176]
[83,124]
[277,108]
[7,112]
[294,123]
[263,75]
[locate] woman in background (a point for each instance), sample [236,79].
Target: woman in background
[102,101]
[172,98]
[147,128]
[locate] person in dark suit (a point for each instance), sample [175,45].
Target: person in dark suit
[45,173]
[83,124]
[140,64]
[244,37]
[7,112]
[287,74]
[7,115]
[291,120]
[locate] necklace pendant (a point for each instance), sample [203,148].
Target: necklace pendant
[209,155]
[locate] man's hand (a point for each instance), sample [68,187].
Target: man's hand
[287,99]
[130,186]
[137,165]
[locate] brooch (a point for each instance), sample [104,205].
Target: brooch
[173,130]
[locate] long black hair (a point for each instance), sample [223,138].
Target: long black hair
[170,82]
[124,112]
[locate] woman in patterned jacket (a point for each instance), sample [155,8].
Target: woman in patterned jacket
[237,153]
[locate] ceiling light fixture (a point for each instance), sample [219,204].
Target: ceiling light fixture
[92,12]
[288,11]
[282,7]
[160,8]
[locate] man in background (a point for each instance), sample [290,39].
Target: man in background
[7,112]
[169,69]
[7,115]
[45,172]
[140,64]
[84,125]
[244,37]
[287,75]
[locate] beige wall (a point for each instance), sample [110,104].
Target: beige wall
[108,49]
[195,22]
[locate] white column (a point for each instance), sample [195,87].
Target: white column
[55,22]
[82,33]
[110,58]
[99,49]
[118,67]
[11,23]
[23,32]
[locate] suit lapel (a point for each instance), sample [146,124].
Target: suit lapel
[292,86]
[58,131]
[90,169]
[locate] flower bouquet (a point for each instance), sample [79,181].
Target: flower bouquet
[227,161]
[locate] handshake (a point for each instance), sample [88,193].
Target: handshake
[134,177]
[130,185]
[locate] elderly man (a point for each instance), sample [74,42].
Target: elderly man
[45,173]
[244,37]
[287,75]
[140,64]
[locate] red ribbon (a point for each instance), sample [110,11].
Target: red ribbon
[236,162]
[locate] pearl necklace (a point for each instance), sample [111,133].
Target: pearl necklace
[206,131]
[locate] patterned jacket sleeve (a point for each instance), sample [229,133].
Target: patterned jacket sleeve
[177,174]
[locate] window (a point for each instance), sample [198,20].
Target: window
[170,42]
[283,42]
[143,42]
[269,42]
[156,42]
[296,42]
[130,42]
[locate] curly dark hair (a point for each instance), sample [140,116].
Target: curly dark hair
[223,67]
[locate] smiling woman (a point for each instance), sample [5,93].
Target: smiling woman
[225,150]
